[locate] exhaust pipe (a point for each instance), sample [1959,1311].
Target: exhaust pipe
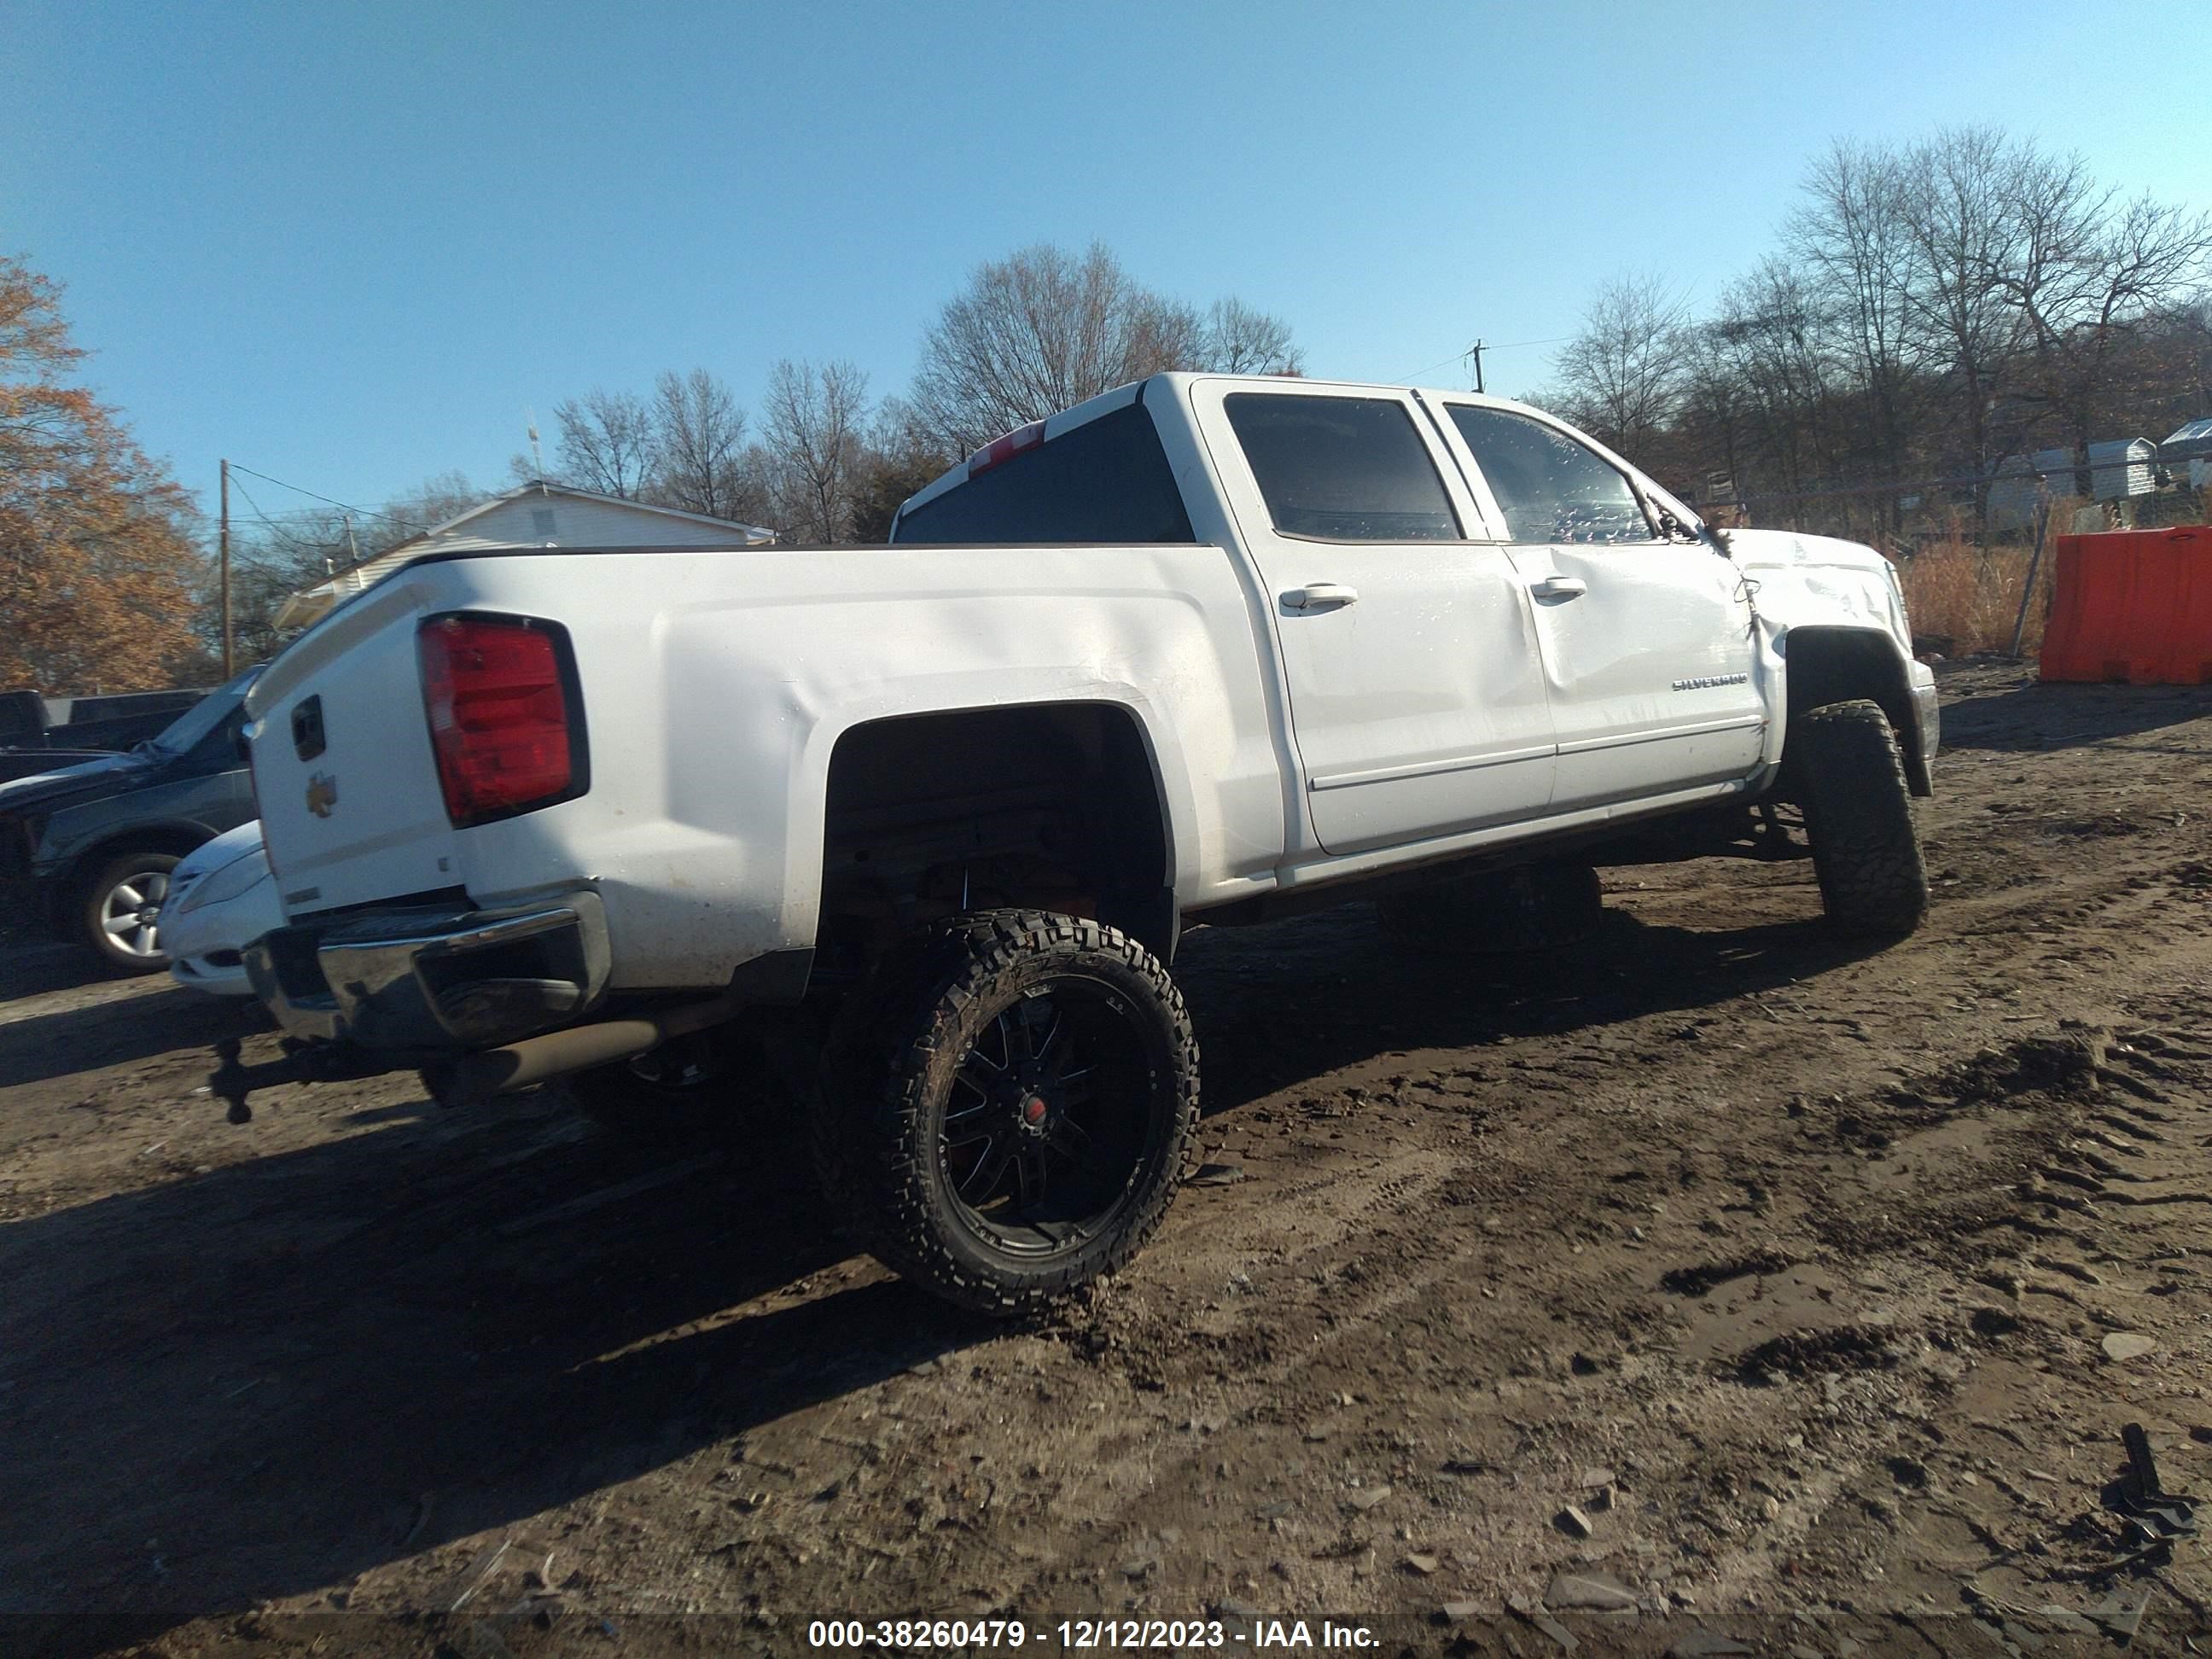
[476,1078]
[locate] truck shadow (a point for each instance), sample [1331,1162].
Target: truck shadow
[269,1379]
[1358,994]
[291,1371]
[2034,718]
[31,968]
[116,1020]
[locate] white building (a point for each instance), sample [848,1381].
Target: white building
[538,514]
[2122,467]
[2192,444]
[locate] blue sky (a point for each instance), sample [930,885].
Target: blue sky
[346,245]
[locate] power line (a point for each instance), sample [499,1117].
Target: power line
[294,542]
[366,512]
[1461,355]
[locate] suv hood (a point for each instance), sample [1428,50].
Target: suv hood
[111,775]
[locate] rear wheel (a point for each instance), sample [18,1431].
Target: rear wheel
[1850,777]
[121,912]
[1007,1115]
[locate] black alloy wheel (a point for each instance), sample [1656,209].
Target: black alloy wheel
[1007,1112]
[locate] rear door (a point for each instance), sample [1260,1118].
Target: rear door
[1417,690]
[1647,642]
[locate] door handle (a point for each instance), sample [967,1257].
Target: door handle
[1559,587]
[1319,596]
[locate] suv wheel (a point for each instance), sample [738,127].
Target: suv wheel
[1858,815]
[1008,1108]
[121,904]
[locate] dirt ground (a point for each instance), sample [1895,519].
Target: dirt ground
[1791,1267]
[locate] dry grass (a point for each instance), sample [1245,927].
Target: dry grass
[1963,599]
[1969,596]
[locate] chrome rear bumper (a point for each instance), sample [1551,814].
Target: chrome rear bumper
[435,980]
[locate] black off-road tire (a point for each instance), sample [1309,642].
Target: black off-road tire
[1849,778]
[895,1071]
[99,901]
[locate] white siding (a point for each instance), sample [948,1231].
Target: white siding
[2116,469]
[521,520]
[578,524]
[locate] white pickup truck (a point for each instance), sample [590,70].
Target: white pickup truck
[1202,648]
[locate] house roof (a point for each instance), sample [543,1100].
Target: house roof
[311,603]
[2104,453]
[547,488]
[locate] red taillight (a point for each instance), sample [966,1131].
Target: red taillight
[500,720]
[1005,448]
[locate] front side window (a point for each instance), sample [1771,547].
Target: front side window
[1341,469]
[1551,488]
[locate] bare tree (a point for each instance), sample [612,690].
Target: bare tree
[1930,310]
[273,559]
[1038,331]
[1235,338]
[698,447]
[1770,339]
[1952,204]
[899,456]
[2085,270]
[811,438]
[441,496]
[605,442]
[1623,374]
[1852,237]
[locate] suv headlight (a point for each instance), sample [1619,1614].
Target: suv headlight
[237,876]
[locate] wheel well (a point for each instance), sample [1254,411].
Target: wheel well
[1049,806]
[66,891]
[1835,664]
[183,840]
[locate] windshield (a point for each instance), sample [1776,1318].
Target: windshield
[203,717]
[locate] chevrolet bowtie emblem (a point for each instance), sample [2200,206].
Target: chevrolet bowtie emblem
[322,794]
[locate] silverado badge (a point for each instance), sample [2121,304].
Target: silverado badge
[322,794]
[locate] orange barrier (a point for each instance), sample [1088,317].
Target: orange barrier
[2132,605]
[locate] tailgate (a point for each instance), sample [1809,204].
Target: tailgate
[346,783]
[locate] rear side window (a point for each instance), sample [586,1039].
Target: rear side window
[1106,480]
[1550,488]
[1344,469]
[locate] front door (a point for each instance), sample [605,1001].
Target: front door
[1648,642]
[1416,686]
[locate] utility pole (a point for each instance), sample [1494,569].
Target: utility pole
[222,538]
[1476,352]
[536,459]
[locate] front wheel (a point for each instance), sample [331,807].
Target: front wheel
[1858,815]
[1008,1112]
[118,917]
